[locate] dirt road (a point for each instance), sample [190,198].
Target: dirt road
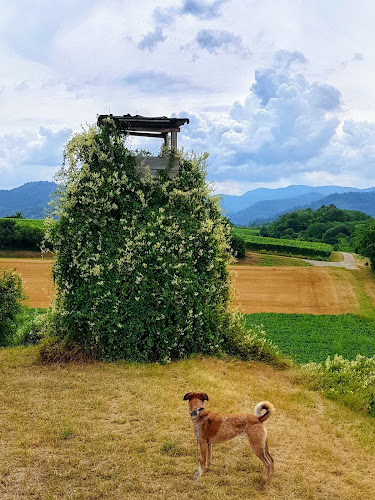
[348,262]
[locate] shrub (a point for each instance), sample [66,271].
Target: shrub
[140,261]
[11,296]
[33,324]
[20,233]
[252,344]
[365,240]
[238,246]
[350,382]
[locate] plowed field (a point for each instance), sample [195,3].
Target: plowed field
[259,289]
[302,290]
[37,279]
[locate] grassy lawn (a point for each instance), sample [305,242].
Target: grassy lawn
[119,430]
[261,259]
[308,337]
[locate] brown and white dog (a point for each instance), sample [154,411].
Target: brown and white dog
[213,428]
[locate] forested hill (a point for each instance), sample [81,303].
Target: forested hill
[365,202]
[269,210]
[31,199]
[328,224]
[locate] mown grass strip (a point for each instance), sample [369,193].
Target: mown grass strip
[266,260]
[308,337]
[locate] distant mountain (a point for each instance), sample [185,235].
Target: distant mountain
[262,204]
[267,211]
[31,199]
[233,204]
[365,202]
[271,209]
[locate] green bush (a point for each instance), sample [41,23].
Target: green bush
[140,267]
[349,382]
[252,344]
[32,325]
[11,296]
[238,246]
[18,233]
[365,240]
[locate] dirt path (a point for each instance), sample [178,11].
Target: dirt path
[37,279]
[309,290]
[348,262]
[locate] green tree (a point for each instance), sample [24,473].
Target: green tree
[11,296]
[365,240]
[140,267]
[238,246]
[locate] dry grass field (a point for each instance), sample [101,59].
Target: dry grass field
[259,288]
[37,278]
[309,290]
[119,431]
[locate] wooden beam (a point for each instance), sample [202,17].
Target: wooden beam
[174,140]
[145,134]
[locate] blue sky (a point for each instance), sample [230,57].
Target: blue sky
[278,92]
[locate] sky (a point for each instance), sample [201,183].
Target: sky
[278,92]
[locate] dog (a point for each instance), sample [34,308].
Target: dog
[211,428]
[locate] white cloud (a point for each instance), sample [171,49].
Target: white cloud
[286,128]
[28,152]
[278,92]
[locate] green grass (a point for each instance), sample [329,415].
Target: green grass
[281,246]
[307,337]
[243,231]
[261,259]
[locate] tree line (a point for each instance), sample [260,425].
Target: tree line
[327,224]
[20,234]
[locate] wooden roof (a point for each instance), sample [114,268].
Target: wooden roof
[146,125]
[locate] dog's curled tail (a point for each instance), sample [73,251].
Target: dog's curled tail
[264,405]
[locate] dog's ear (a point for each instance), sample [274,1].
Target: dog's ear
[187,396]
[205,397]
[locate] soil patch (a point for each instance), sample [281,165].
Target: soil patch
[292,290]
[36,275]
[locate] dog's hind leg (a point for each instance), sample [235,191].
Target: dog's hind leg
[260,448]
[269,456]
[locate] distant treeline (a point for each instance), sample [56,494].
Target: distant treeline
[327,224]
[21,234]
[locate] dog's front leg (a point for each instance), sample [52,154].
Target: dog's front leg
[209,455]
[203,457]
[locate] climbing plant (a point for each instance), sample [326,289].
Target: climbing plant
[141,261]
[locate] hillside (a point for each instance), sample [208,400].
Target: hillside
[365,202]
[31,199]
[108,435]
[270,209]
[327,224]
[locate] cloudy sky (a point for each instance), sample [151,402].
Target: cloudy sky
[279,92]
